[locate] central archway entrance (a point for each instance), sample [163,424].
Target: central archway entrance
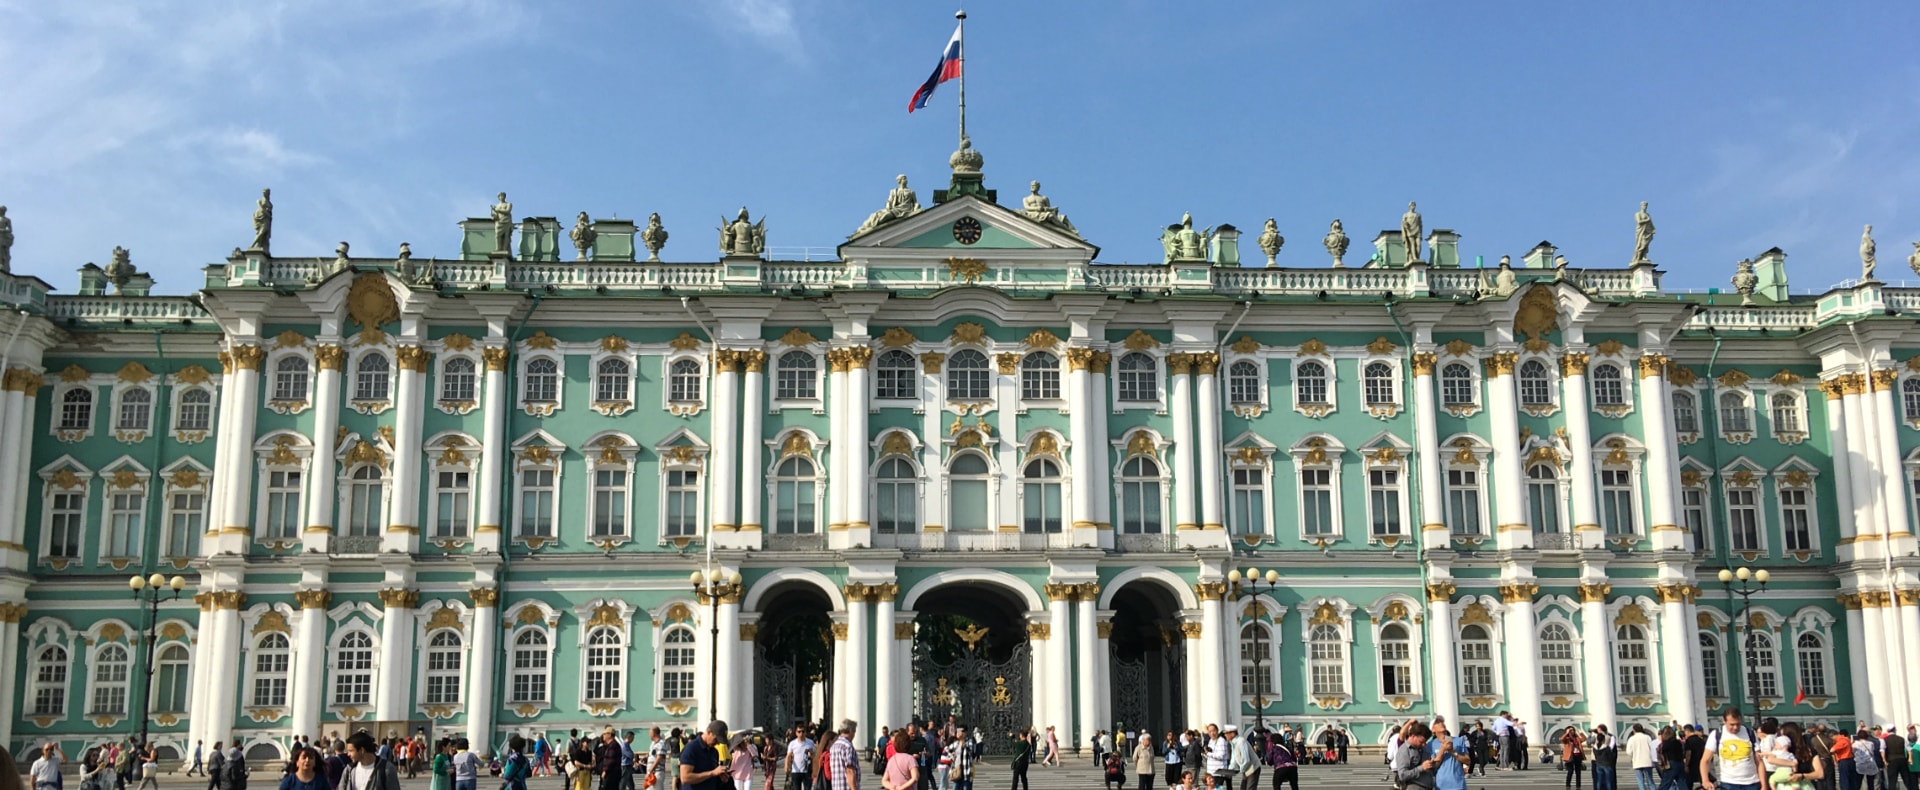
[793,654]
[1147,655]
[971,661]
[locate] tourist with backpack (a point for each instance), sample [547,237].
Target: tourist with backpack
[1730,761]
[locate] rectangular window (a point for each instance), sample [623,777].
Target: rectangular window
[1743,518]
[1249,502]
[1616,501]
[1693,507]
[186,520]
[529,674]
[1543,507]
[1557,678]
[451,510]
[126,523]
[1463,502]
[536,503]
[1710,666]
[1316,502]
[683,503]
[283,504]
[64,523]
[896,383]
[353,684]
[1796,519]
[1477,681]
[796,383]
[609,502]
[1039,382]
[1383,496]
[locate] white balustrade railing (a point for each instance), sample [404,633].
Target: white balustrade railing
[1124,277]
[818,274]
[118,308]
[972,541]
[1753,317]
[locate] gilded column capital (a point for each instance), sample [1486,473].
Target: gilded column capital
[1519,592]
[1848,601]
[1423,363]
[328,356]
[313,599]
[485,597]
[858,357]
[883,593]
[1210,591]
[495,357]
[1103,629]
[1595,593]
[1574,363]
[1501,363]
[755,360]
[1190,630]
[1206,363]
[1088,591]
[903,631]
[1831,388]
[204,601]
[1180,363]
[1653,366]
[748,631]
[1009,363]
[856,592]
[412,358]
[1038,631]
[1883,379]
[1059,592]
[931,361]
[1852,384]
[12,612]
[1079,358]
[22,380]
[1098,364]
[725,360]
[395,598]
[231,600]
[1670,593]
[1907,597]
[246,357]
[1876,599]
[840,631]
[1440,592]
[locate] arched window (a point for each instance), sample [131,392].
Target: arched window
[443,667]
[1812,656]
[290,379]
[1256,662]
[1734,417]
[1910,397]
[968,377]
[1536,384]
[1138,378]
[1140,497]
[1543,499]
[529,678]
[1712,687]
[272,659]
[136,408]
[1310,384]
[894,376]
[683,381]
[612,380]
[169,692]
[543,380]
[1041,498]
[1476,661]
[1040,376]
[676,664]
[365,491]
[1630,663]
[1558,675]
[110,669]
[1686,413]
[967,477]
[457,380]
[1326,661]
[793,497]
[605,665]
[1396,660]
[1609,386]
[1786,413]
[797,379]
[1456,385]
[50,681]
[353,670]
[1243,383]
[76,409]
[371,377]
[897,507]
[1377,383]
[196,411]
[1763,666]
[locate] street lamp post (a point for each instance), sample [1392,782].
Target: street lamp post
[150,592]
[1251,585]
[714,585]
[1750,582]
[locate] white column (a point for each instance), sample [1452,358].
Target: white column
[1860,472]
[753,412]
[1006,395]
[854,449]
[1058,688]
[403,518]
[14,432]
[839,450]
[393,679]
[1213,628]
[9,669]
[1856,657]
[488,532]
[1663,458]
[1523,650]
[236,448]
[1196,719]
[1099,441]
[842,665]
[225,667]
[309,660]
[1209,447]
[1185,493]
[726,693]
[1596,650]
[1509,478]
[1586,520]
[855,700]
[1894,483]
[1433,506]
[1086,643]
[724,444]
[1085,451]
[1908,601]
[1838,457]
[884,705]
[483,662]
[1445,679]
[200,691]
[743,696]
[1678,645]
[1873,617]
[933,493]
[321,484]
[1102,671]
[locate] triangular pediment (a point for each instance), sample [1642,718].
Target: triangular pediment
[1002,230]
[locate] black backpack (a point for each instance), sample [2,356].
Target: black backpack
[236,773]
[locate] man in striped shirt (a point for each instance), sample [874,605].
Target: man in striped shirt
[843,763]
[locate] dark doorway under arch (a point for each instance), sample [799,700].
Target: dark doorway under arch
[971,661]
[793,652]
[1146,660]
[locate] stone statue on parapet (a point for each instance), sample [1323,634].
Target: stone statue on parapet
[263,222]
[582,235]
[901,204]
[1039,209]
[1745,281]
[1410,232]
[655,237]
[1867,261]
[1182,243]
[1336,242]
[1271,241]
[502,213]
[120,271]
[1642,234]
[6,242]
[1503,282]
[409,271]
[743,236]
[1913,261]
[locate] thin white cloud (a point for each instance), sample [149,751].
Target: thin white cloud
[772,22]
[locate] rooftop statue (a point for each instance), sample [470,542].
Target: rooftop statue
[654,237]
[742,236]
[901,204]
[1336,242]
[582,235]
[415,273]
[1913,261]
[6,241]
[1039,209]
[1866,255]
[1503,282]
[263,222]
[1410,232]
[1744,281]
[340,259]
[1271,241]
[502,213]
[1182,243]
[120,271]
[1642,234]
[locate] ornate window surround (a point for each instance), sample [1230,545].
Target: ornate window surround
[192,378]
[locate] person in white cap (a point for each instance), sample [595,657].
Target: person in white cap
[1241,763]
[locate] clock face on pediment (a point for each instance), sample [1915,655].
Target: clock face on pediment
[966,230]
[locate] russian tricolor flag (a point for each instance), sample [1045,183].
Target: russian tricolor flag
[948,69]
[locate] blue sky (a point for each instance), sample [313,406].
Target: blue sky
[153,124]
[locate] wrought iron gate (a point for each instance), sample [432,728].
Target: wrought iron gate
[776,691]
[1129,693]
[993,698]
[1148,688]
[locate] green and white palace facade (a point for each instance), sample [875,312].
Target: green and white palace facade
[954,465]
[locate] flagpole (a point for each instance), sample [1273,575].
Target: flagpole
[962,16]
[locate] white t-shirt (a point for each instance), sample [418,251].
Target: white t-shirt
[1734,757]
[799,753]
[361,775]
[1640,750]
[46,770]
